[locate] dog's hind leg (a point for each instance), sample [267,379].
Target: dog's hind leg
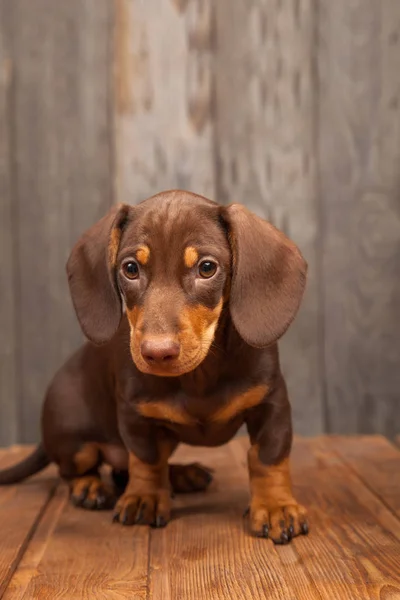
[81,471]
[184,479]
[189,478]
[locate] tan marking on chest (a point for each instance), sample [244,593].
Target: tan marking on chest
[165,412]
[143,255]
[190,257]
[240,403]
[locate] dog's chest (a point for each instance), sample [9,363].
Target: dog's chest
[209,419]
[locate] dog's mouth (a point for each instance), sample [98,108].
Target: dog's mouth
[175,354]
[171,367]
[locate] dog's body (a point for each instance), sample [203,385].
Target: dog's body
[208,290]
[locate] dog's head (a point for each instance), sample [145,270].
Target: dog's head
[174,261]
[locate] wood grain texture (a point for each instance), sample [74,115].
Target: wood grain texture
[359,154]
[292,108]
[353,550]
[265,144]
[8,327]
[21,508]
[351,553]
[63,174]
[163,87]
[30,560]
[78,555]
[377,462]
[207,551]
[355,545]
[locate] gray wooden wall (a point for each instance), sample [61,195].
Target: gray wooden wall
[292,108]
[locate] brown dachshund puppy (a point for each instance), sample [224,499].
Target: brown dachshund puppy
[207,292]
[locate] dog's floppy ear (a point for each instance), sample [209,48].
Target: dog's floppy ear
[268,277]
[92,279]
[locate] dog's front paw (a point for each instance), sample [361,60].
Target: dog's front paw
[278,523]
[143,509]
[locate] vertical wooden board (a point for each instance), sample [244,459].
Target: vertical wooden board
[359,141]
[63,172]
[8,263]
[207,551]
[21,508]
[266,156]
[163,86]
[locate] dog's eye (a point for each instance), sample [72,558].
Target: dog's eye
[130,270]
[207,269]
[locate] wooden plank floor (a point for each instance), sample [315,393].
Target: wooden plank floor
[49,549]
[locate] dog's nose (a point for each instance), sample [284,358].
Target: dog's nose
[158,350]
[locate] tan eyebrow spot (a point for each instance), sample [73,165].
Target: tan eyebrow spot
[143,254]
[190,257]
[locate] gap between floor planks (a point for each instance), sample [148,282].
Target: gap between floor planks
[353,550]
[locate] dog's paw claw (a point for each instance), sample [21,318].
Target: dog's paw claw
[160,521]
[304,528]
[280,523]
[151,509]
[283,539]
